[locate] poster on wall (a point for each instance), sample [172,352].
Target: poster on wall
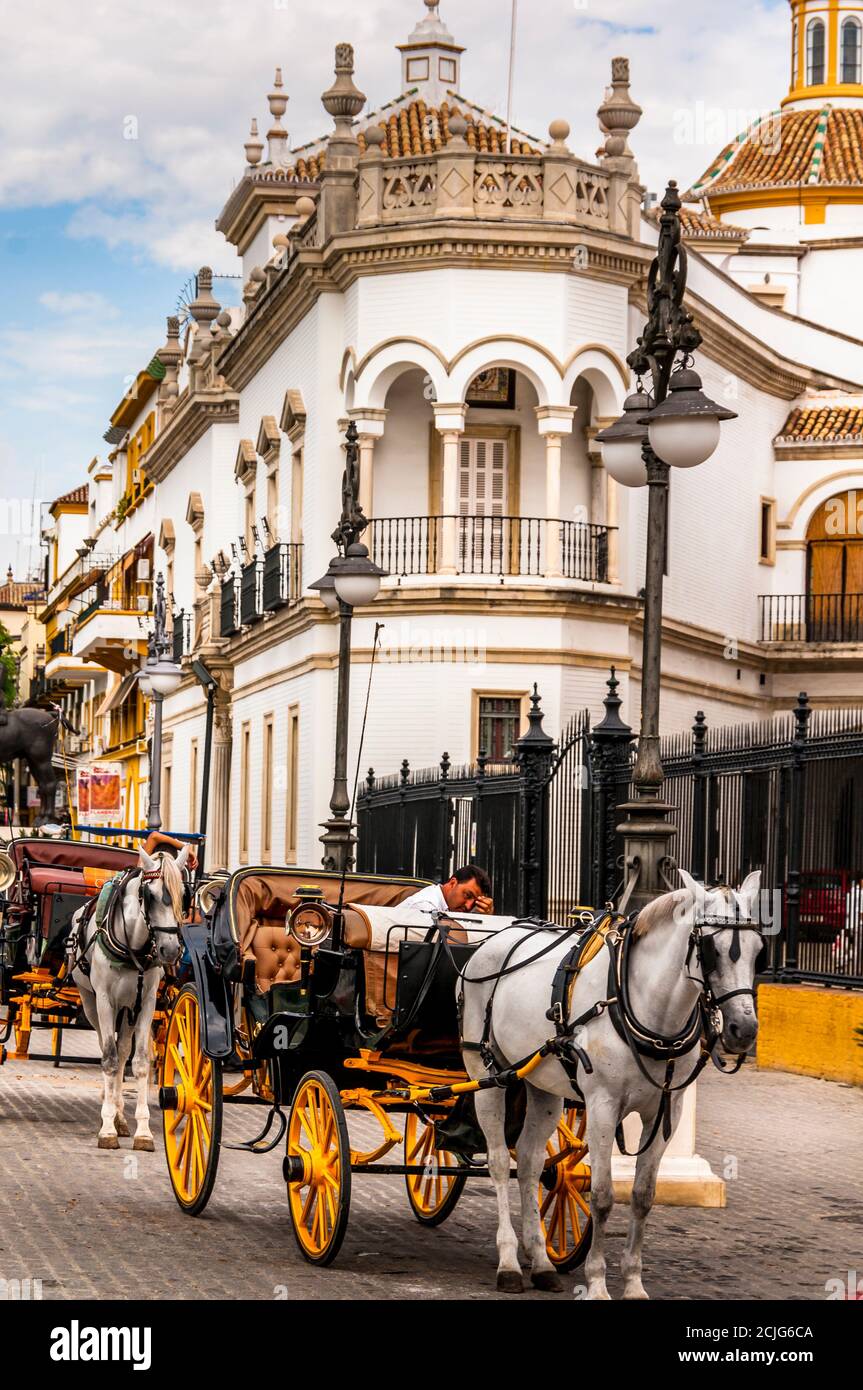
[99,787]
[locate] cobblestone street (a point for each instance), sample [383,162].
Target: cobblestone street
[92,1224]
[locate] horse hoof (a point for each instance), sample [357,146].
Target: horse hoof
[121,1127]
[143,1143]
[639,1295]
[509,1281]
[108,1141]
[547,1281]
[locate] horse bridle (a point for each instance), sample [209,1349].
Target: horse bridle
[147,958]
[707,956]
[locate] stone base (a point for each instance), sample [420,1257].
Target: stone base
[682,1182]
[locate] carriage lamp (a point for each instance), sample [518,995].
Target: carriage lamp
[309,922]
[684,429]
[623,442]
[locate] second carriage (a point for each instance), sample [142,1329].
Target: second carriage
[318,998]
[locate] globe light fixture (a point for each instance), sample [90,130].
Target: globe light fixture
[164,675]
[684,429]
[622,443]
[145,683]
[326,586]
[358,578]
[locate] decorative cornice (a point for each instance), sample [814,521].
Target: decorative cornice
[194,415]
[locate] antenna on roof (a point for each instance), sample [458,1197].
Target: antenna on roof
[507,146]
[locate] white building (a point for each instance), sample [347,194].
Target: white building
[468,296]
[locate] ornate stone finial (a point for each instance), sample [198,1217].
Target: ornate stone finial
[277,136]
[224,319]
[559,130]
[254,146]
[204,308]
[375,137]
[171,355]
[457,130]
[618,113]
[343,100]
[305,208]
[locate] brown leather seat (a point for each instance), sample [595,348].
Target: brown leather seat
[262,901]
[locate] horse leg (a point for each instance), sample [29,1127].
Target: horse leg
[491,1113]
[141,1071]
[643,1193]
[543,1114]
[124,1047]
[601,1121]
[110,1061]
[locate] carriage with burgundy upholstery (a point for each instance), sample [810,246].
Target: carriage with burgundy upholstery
[318,997]
[43,882]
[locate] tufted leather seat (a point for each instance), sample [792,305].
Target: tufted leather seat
[263,901]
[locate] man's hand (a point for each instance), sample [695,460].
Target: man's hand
[485,905]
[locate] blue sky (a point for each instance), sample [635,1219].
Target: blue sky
[122,131]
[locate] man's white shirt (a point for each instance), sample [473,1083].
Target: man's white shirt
[428,899]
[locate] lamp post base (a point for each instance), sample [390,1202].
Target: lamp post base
[338,841]
[648,836]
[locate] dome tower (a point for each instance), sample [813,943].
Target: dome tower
[826,54]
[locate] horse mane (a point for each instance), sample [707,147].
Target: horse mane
[173,877]
[654,911]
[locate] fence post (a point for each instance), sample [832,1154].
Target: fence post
[444,837]
[698,867]
[477,852]
[404,778]
[534,751]
[795,838]
[610,761]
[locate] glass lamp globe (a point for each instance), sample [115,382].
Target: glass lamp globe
[358,578]
[621,443]
[165,676]
[684,429]
[326,586]
[145,683]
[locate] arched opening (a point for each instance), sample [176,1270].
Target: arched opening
[851,50]
[795,53]
[834,569]
[815,53]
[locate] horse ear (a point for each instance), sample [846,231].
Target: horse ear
[182,857]
[696,890]
[146,861]
[749,890]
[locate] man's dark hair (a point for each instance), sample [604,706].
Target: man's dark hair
[469,871]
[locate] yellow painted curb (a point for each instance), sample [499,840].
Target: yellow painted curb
[810,1030]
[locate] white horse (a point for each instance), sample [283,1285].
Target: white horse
[118,968]
[688,944]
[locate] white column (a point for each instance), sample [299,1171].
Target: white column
[553,422]
[449,422]
[685,1179]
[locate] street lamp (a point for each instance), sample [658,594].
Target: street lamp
[351,581]
[158,677]
[678,426]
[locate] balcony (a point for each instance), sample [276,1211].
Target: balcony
[494,546]
[229,608]
[181,636]
[110,634]
[252,592]
[811,618]
[283,575]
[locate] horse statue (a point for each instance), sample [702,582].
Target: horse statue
[628,1038]
[117,955]
[30,732]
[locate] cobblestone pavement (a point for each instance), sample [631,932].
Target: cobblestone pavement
[94,1224]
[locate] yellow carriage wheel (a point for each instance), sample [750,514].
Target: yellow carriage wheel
[318,1168]
[432,1194]
[191,1098]
[564,1193]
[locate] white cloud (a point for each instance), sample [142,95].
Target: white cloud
[88,303]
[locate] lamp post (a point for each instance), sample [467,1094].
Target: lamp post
[352,579]
[158,677]
[675,425]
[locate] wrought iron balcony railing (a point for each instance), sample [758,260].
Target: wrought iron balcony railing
[811,617]
[252,592]
[490,545]
[229,608]
[181,635]
[60,643]
[283,575]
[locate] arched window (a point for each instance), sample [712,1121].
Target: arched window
[851,50]
[795,54]
[815,53]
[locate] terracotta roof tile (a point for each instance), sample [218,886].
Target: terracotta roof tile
[790,148]
[827,424]
[698,224]
[74,498]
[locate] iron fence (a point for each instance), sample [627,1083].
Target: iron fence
[495,546]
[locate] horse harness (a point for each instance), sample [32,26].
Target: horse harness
[107,910]
[616,933]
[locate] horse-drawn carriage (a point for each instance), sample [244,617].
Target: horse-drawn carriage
[43,883]
[326,997]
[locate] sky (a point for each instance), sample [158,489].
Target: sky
[121,136]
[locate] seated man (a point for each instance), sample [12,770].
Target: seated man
[469,890]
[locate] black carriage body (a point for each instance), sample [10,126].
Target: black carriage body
[297,1026]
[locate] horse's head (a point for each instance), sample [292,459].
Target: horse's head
[161,897]
[725,924]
